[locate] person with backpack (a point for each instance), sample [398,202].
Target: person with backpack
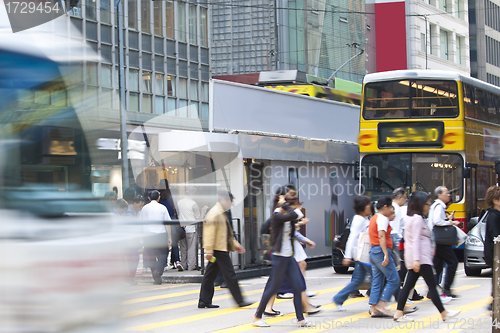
[492,198]
[359,224]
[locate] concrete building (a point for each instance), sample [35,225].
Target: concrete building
[484,19]
[416,34]
[314,36]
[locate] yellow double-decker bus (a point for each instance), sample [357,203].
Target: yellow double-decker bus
[420,129]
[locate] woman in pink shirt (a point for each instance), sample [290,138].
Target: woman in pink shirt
[419,250]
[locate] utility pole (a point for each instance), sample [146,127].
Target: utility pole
[121,85]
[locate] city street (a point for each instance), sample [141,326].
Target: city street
[173,308]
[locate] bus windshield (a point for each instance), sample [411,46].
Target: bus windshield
[382,173]
[410,99]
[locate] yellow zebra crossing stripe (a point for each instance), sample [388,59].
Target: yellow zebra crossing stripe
[211,314]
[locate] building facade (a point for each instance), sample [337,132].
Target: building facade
[166,57]
[314,36]
[428,34]
[484,19]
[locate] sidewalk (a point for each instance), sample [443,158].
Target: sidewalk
[174,276]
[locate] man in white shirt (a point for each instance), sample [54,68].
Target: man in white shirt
[189,210]
[444,253]
[157,245]
[399,197]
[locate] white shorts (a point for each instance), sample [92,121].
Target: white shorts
[299,253]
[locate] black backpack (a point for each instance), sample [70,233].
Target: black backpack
[342,240]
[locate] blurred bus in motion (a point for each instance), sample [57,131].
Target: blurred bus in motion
[421,129]
[57,274]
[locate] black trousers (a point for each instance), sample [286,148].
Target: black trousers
[445,254]
[225,265]
[428,275]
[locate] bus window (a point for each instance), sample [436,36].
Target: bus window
[470,110]
[382,173]
[434,99]
[480,102]
[410,99]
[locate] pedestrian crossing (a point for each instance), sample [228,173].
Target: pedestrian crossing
[326,321]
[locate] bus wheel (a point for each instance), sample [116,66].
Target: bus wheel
[340,269]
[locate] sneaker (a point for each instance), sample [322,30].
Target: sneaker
[285,296]
[404,319]
[306,323]
[445,299]
[339,308]
[179,266]
[311,293]
[448,293]
[451,314]
[260,323]
[409,301]
[169,267]
[416,296]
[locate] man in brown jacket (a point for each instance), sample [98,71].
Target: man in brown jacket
[218,241]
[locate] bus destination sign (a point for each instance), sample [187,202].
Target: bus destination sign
[410,134]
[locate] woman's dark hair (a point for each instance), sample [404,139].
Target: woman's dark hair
[292,198]
[360,203]
[129,194]
[384,201]
[282,190]
[417,202]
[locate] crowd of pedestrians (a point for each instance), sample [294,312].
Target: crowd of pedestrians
[401,248]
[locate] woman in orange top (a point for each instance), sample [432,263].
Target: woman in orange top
[381,259]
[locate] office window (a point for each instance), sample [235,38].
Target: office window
[183,68]
[193,53]
[106,76]
[107,98]
[132,14]
[182,51]
[181,21]
[159,64]
[169,19]
[146,82]
[423,44]
[205,73]
[159,104]
[146,43]
[443,5]
[133,40]
[76,12]
[157,18]
[193,90]
[183,109]
[133,59]
[133,79]
[459,50]
[145,16]
[105,12]
[133,102]
[432,29]
[204,92]
[147,103]
[193,110]
[203,27]
[182,89]
[193,70]
[90,10]
[159,84]
[171,66]
[192,25]
[91,71]
[204,56]
[171,48]
[171,107]
[159,45]
[204,111]
[106,53]
[91,32]
[106,34]
[444,44]
[171,86]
